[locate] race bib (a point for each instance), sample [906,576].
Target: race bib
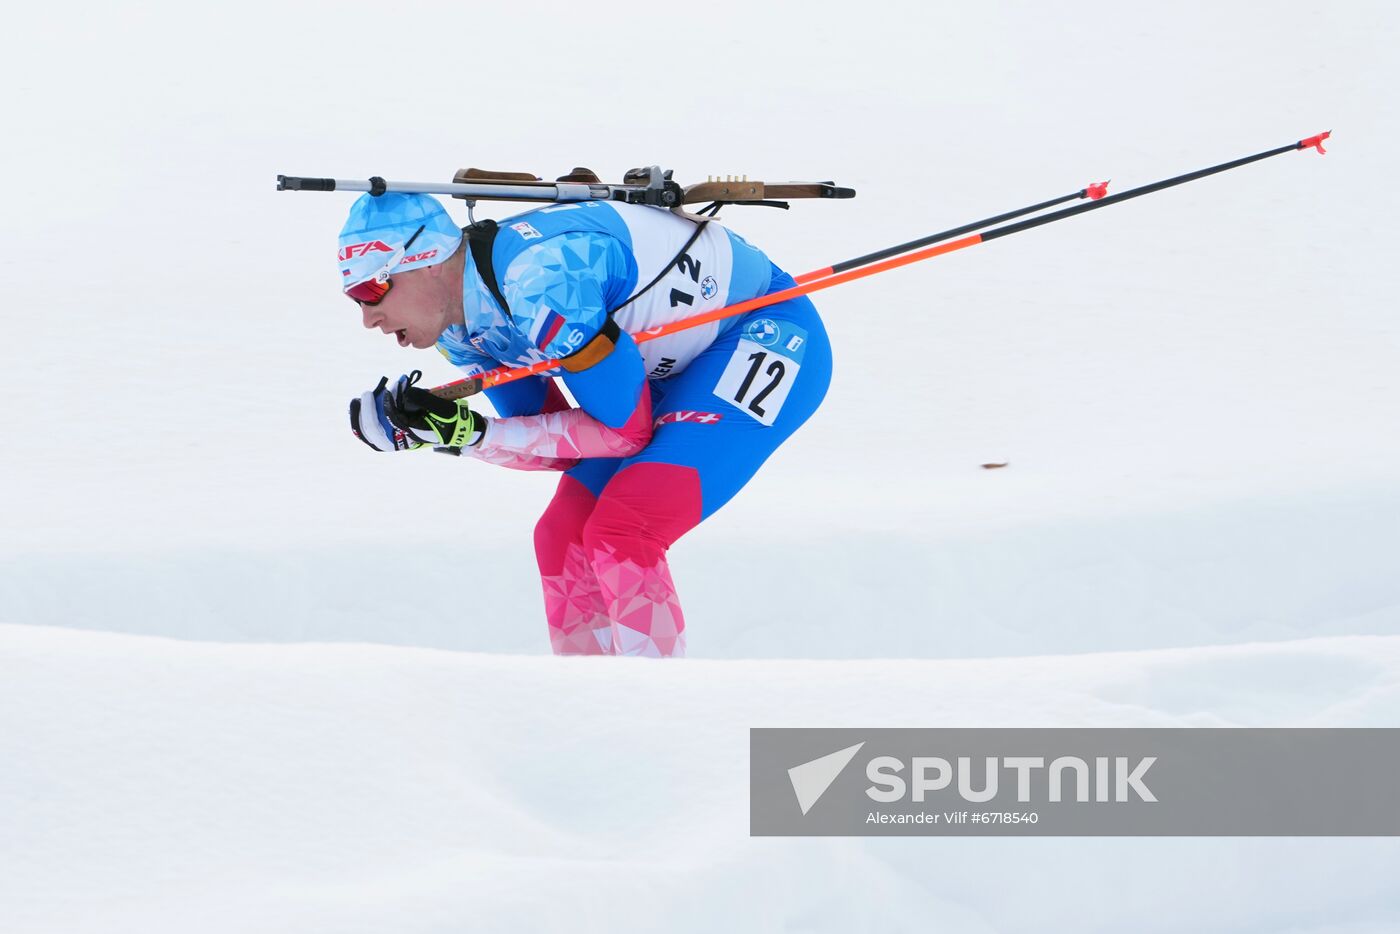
[762,369]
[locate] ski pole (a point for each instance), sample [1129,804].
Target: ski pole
[1095,191]
[465,387]
[506,374]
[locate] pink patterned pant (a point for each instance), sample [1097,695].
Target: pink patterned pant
[607,587]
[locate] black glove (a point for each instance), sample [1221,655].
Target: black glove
[406,417]
[430,419]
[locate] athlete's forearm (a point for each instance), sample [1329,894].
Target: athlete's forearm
[515,461]
[567,435]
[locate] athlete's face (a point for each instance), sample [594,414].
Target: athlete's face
[421,305]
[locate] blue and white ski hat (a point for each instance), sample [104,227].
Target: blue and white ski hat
[378,227]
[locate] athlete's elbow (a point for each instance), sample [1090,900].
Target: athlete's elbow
[635,433]
[632,438]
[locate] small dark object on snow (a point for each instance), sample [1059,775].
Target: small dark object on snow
[995,466]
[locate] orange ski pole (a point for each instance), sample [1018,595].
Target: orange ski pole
[861,267]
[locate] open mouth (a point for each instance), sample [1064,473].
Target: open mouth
[402,335]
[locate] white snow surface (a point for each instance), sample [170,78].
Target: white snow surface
[171,785]
[253,677]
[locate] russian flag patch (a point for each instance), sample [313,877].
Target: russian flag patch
[547,328]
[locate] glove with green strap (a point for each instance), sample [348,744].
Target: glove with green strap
[405,417]
[430,419]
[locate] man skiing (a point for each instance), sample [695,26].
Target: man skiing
[664,433]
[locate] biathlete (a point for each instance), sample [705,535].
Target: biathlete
[664,433]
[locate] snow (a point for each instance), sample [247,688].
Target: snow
[253,677]
[365,788]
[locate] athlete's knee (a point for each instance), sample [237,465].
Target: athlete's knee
[643,510]
[562,523]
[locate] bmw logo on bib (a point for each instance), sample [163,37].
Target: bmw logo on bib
[763,331]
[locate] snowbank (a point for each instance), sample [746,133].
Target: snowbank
[157,786]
